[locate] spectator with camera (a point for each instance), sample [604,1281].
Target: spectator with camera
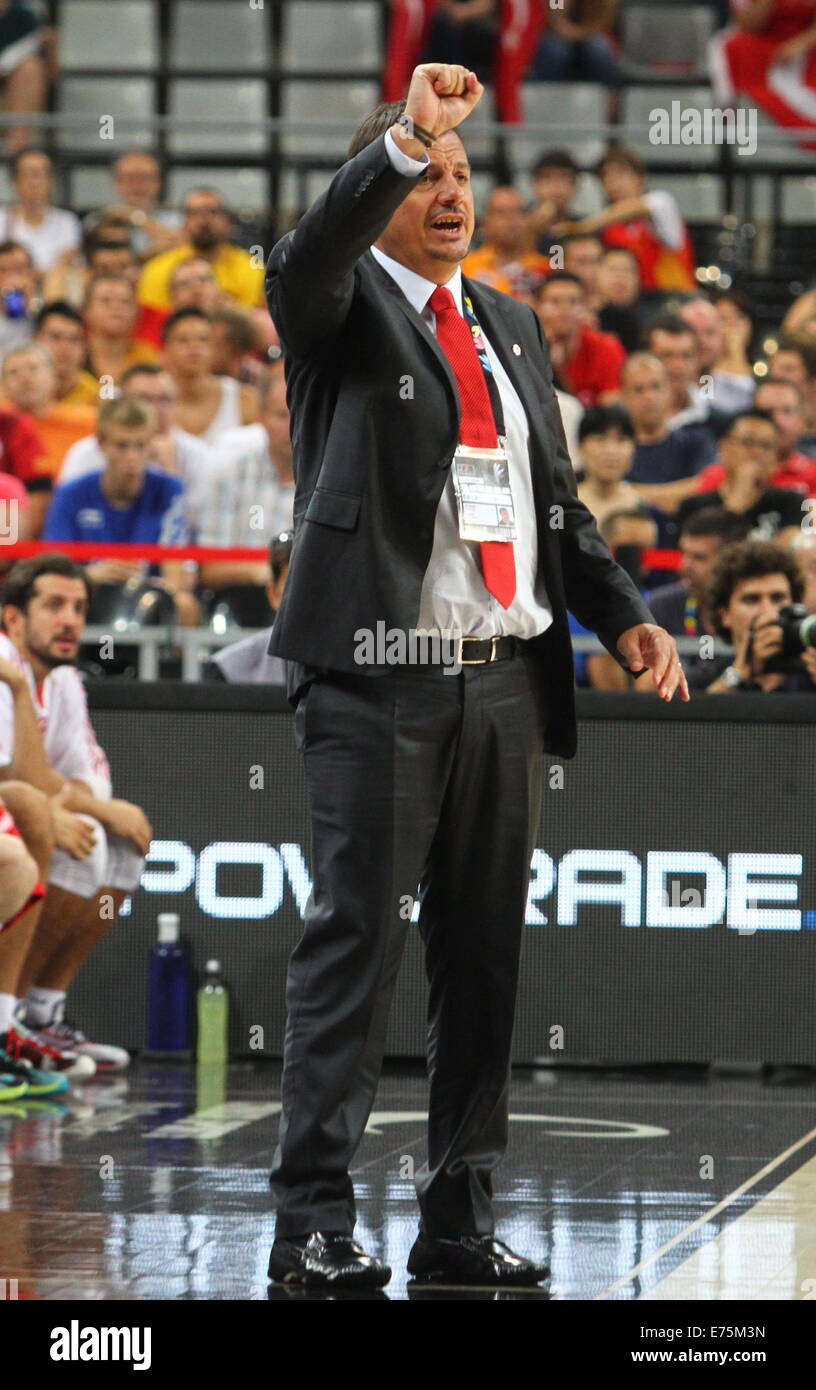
[753,586]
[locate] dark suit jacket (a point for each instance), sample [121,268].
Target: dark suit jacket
[375,422]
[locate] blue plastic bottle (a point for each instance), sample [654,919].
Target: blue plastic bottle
[169,990]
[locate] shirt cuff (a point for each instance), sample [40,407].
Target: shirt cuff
[401,161]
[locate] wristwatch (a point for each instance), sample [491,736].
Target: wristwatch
[732,677]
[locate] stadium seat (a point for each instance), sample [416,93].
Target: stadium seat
[100,98]
[327,36]
[340,105]
[637,105]
[244,190]
[799,201]
[93,35]
[699,196]
[213,101]
[219,34]
[777,149]
[573,113]
[666,38]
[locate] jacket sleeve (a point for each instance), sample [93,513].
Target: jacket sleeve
[310,273]
[598,591]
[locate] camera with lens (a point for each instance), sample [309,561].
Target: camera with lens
[798,633]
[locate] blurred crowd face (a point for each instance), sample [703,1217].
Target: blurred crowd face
[705,321]
[28,380]
[138,181]
[111,309]
[752,599]
[51,626]
[127,454]
[645,392]
[750,447]
[555,186]
[607,457]
[194,286]
[633,530]
[618,278]
[699,557]
[159,390]
[505,222]
[64,340]
[784,404]
[583,258]
[188,350]
[561,309]
[275,416]
[433,226]
[32,181]
[206,223]
[17,272]
[619,181]
[680,356]
[805,552]
[789,366]
[115,260]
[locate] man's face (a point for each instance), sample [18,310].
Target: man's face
[111,309]
[789,366]
[782,402]
[137,180]
[619,181]
[607,457]
[194,286]
[583,258]
[679,355]
[127,453]
[750,447]
[119,260]
[51,626]
[805,552]
[32,182]
[188,350]
[276,418]
[431,230]
[205,221]
[65,341]
[754,598]
[618,278]
[555,186]
[699,556]
[159,390]
[28,381]
[646,393]
[505,221]
[705,321]
[561,309]
[16,272]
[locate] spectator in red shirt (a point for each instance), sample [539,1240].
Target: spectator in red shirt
[22,454]
[794,470]
[587,362]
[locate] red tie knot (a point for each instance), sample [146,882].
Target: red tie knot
[441,301]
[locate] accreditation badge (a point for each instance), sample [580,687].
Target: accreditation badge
[481,484]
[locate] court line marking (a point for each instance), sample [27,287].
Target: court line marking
[706,1216]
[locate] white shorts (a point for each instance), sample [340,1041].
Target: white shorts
[114,862]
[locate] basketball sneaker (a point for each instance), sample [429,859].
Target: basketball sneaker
[38,1083]
[105,1056]
[46,1055]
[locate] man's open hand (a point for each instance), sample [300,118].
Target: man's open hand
[649,647]
[441,96]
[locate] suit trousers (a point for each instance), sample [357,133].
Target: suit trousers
[417,780]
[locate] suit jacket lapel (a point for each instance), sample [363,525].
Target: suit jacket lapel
[419,325]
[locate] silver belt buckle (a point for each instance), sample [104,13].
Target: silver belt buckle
[477,661]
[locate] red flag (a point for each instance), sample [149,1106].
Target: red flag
[520,23]
[407,33]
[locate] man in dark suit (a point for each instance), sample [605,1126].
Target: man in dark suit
[421,770]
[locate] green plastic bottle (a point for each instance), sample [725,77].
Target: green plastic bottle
[213,1007]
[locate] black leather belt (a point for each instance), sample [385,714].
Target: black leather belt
[475,651]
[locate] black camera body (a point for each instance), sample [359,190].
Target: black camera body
[798,633]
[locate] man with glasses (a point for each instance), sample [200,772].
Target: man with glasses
[748,453]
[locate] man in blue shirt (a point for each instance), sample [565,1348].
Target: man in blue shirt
[126,502]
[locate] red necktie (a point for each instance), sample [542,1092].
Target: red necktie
[478,427]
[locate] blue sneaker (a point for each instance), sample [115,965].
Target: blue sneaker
[35,1083]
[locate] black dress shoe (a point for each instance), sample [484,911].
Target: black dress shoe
[471,1260]
[329,1259]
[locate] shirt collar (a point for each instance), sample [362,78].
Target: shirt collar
[416,288]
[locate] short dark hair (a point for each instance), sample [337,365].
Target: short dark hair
[178,316]
[600,419]
[791,342]
[561,275]
[9,245]
[57,308]
[140,369]
[376,123]
[280,549]
[621,154]
[555,159]
[753,414]
[607,526]
[17,588]
[16,159]
[239,329]
[779,381]
[582,236]
[750,559]
[626,251]
[716,521]
[669,323]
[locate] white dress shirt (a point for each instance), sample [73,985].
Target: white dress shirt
[454,598]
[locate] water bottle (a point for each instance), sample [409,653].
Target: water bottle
[168,994]
[212,1015]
